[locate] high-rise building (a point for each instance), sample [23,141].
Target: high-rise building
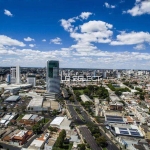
[31,79]
[52,77]
[8,79]
[13,75]
[17,74]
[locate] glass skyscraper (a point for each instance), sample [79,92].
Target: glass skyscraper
[52,77]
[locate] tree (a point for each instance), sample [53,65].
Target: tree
[118,93]
[54,112]
[101,141]
[71,98]
[87,92]
[4,108]
[37,128]
[81,146]
[60,140]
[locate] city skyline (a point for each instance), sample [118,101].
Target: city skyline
[79,34]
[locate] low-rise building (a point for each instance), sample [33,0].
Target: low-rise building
[22,136]
[85,98]
[38,143]
[61,123]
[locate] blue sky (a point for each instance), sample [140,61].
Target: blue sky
[81,34]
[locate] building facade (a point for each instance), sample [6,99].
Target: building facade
[52,77]
[31,79]
[13,75]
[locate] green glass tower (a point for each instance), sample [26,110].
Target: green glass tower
[52,77]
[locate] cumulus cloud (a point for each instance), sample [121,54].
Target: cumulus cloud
[8,13]
[44,40]
[140,8]
[132,38]
[108,5]
[67,24]
[139,47]
[32,45]
[7,41]
[57,40]
[28,39]
[70,58]
[85,15]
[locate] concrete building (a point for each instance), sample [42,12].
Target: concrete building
[35,103]
[8,79]
[52,77]
[13,99]
[31,79]
[13,75]
[85,98]
[18,75]
[61,123]
[38,143]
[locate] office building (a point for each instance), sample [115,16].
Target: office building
[8,79]
[31,79]
[17,74]
[13,75]
[52,77]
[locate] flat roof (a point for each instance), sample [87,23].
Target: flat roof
[27,116]
[2,121]
[130,130]
[114,119]
[85,98]
[6,117]
[57,121]
[37,100]
[13,98]
[33,117]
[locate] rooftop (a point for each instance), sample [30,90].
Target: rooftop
[13,98]
[57,121]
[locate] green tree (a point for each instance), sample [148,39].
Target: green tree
[4,108]
[87,92]
[54,112]
[81,146]
[71,98]
[101,141]
[37,128]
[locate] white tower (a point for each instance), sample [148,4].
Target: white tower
[17,74]
[13,75]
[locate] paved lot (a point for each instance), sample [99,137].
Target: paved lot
[89,138]
[10,147]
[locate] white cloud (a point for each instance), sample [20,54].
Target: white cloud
[28,39]
[7,41]
[57,40]
[8,13]
[132,38]
[90,33]
[44,40]
[66,24]
[140,8]
[32,45]
[85,15]
[139,47]
[108,5]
